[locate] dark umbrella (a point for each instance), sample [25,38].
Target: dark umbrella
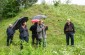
[39,17]
[18,22]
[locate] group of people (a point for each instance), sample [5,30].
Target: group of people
[38,33]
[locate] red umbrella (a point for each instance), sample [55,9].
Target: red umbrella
[35,20]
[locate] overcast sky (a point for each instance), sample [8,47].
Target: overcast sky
[79,2]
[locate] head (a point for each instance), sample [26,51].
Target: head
[68,20]
[40,22]
[24,23]
[10,25]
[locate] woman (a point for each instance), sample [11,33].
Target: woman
[41,30]
[23,33]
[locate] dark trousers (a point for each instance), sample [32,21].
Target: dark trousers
[9,40]
[22,40]
[34,37]
[68,36]
[39,41]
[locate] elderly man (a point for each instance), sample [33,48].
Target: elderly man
[10,33]
[69,32]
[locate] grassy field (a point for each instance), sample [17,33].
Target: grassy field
[56,44]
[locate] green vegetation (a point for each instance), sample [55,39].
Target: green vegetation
[10,8]
[57,16]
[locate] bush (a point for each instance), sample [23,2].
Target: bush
[56,3]
[11,9]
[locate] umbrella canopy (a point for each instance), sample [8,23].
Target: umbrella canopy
[18,22]
[39,17]
[35,20]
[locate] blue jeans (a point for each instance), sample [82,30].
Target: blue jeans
[68,36]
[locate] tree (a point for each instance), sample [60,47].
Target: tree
[11,9]
[57,2]
[43,1]
[68,1]
[26,3]
[2,5]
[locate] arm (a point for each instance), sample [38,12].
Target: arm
[31,28]
[20,29]
[7,31]
[46,27]
[73,28]
[27,31]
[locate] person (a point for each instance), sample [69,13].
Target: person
[10,33]
[33,28]
[44,34]
[41,30]
[69,31]
[23,34]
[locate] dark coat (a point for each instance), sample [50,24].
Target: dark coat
[23,32]
[9,31]
[69,28]
[33,28]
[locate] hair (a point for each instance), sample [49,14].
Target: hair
[10,25]
[69,19]
[23,23]
[36,23]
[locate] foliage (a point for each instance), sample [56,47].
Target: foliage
[68,1]
[56,3]
[11,9]
[2,5]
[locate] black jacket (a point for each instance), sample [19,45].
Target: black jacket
[9,31]
[69,28]
[33,28]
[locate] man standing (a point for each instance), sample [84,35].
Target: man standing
[10,34]
[33,28]
[69,31]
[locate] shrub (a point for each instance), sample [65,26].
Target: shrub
[11,9]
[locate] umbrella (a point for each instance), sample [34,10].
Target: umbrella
[35,20]
[18,22]
[39,17]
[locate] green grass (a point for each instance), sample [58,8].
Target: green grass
[56,44]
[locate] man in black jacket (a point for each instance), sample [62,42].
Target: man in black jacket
[10,33]
[33,28]
[69,31]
